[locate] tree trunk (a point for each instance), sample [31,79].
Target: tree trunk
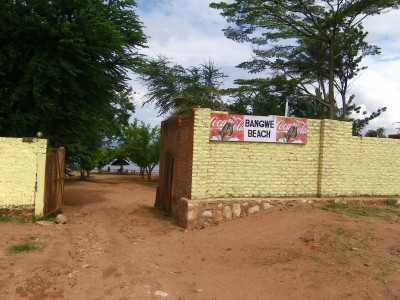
[332,103]
[344,111]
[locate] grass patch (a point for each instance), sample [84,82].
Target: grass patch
[315,259]
[28,219]
[364,211]
[329,226]
[23,220]
[48,218]
[336,205]
[379,210]
[4,218]
[30,238]
[364,214]
[21,248]
[390,202]
[343,232]
[381,275]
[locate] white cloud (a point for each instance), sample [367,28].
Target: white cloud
[147,114]
[383,32]
[379,84]
[377,87]
[189,33]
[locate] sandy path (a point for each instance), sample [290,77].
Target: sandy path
[116,246]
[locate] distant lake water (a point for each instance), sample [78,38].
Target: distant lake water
[130,168]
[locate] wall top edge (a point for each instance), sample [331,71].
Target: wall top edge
[24,140]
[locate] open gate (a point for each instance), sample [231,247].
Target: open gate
[54,183]
[167,181]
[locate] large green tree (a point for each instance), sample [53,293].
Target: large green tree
[101,130]
[175,89]
[317,45]
[141,144]
[379,133]
[64,69]
[268,96]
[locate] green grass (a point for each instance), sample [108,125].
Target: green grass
[390,202]
[366,211]
[327,225]
[364,214]
[30,238]
[343,232]
[48,218]
[336,205]
[21,248]
[384,210]
[28,219]
[363,211]
[381,275]
[4,218]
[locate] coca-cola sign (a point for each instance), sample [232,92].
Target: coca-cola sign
[258,129]
[226,127]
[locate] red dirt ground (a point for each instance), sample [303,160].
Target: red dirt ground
[116,246]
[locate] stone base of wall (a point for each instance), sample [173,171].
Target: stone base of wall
[12,211]
[197,214]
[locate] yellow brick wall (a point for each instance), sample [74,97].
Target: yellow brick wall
[331,163]
[358,165]
[22,173]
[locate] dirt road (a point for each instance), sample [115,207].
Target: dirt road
[116,246]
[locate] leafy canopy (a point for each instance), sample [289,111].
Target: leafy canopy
[268,96]
[316,45]
[141,144]
[379,133]
[175,89]
[64,70]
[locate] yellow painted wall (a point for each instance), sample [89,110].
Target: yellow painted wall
[332,163]
[22,173]
[358,165]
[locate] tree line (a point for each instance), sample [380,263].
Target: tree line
[65,68]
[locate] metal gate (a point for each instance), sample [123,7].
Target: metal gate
[167,181]
[54,184]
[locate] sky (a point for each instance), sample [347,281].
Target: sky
[189,32]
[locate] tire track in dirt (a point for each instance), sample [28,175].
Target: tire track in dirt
[116,246]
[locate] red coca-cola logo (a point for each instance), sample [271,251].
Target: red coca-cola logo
[238,124]
[285,126]
[216,122]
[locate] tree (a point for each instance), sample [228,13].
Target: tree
[268,96]
[119,156]
[359,122]
[141,144]
[176,90]
[83,153]
[316,44]
[379,133]
[64,70]
[103,156]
